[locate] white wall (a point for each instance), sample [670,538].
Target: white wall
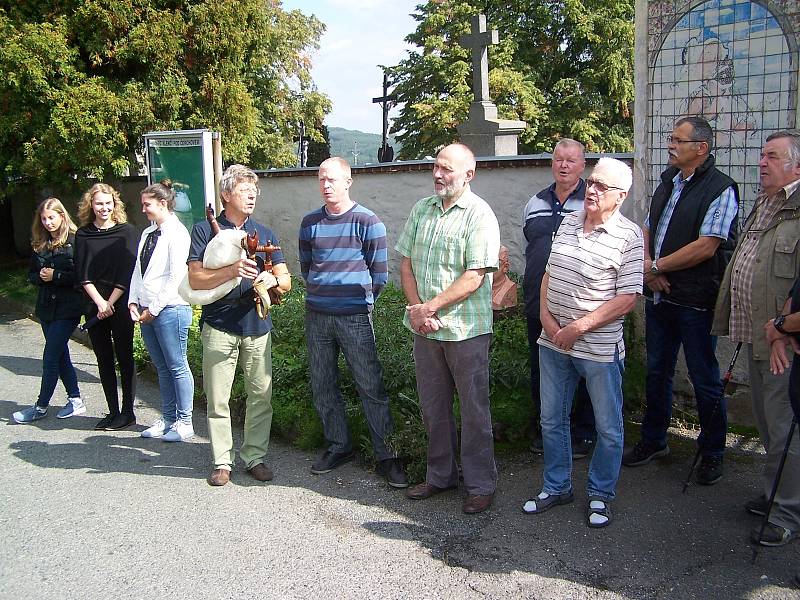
[392,190]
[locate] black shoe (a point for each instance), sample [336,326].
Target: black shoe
[642,453]
[121,421]
[105,422]
[582,448]
[330,460]
[710,470]
[392,470]
[537,444]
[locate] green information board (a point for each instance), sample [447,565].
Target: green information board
[184,157]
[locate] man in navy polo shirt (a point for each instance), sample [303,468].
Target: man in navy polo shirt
[542,215]
[232,332]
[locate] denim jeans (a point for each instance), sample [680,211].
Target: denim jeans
[582,422]
[326,335]
[56,362]
[165,338]
[669,326]
[559,376]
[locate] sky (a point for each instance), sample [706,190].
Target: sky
[360,35]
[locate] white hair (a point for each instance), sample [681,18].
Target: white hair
[619,174]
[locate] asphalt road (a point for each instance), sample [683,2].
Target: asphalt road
[88,514]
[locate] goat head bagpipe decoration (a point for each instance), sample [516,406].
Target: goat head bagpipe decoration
[225,248]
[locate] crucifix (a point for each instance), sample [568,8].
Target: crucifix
[385,152]
[478,41]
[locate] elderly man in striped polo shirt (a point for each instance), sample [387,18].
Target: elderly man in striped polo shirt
[449,243]
[593,277]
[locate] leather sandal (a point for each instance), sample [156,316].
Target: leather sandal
[545,501]
[603,511]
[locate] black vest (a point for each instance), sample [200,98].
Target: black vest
[696,286]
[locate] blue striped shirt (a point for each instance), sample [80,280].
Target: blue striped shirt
[716,222]
[343,260]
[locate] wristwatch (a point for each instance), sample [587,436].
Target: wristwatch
[778,324]
[654,267]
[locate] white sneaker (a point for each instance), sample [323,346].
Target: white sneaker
[156,430]
[179,432]
[74,407]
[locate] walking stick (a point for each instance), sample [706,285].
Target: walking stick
[775,485]
[725,380]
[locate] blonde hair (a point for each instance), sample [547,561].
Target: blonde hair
[41,239]
[86,214]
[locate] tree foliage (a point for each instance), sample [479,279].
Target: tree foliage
[82,80]
[564,66]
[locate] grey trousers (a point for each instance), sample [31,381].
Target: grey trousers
[442,368]
[773,414]
[354,337]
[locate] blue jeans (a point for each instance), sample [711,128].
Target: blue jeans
[165,338]
[559,377]
[56,362]
[669,326]
[326,335]
[582,421]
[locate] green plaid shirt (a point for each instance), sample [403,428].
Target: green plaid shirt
[442,245]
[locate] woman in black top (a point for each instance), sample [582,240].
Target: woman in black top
[105,253]
[58,307]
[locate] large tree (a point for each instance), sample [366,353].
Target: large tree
[82,80]
[564,66]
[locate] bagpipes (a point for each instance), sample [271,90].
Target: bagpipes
[225,248]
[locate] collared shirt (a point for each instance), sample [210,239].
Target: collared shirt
[588,270]
[236,312]
[541,218]
[744,266]
[442,245]
[155,285]
[716,223]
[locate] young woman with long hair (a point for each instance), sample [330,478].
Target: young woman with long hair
[105,251]
[163,315]
[58,307]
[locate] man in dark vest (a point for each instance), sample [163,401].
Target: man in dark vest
[689,236]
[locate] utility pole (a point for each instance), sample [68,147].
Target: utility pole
[355,153]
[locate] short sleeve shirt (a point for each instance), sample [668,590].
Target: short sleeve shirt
[442,245]
[587,270]
[236,312]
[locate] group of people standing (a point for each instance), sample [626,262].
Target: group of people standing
[586,265]
[105,273]
[700,279]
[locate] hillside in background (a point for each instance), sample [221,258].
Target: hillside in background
[343,141]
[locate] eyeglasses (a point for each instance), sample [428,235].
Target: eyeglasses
[601,187]
[248,189]
[673,140]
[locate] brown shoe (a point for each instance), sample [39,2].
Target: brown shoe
[476,504]
[260,472]
[219,477]
[425,490]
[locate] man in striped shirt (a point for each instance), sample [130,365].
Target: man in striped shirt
[343,260]
[592,279]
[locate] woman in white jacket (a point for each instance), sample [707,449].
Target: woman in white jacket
[162,314]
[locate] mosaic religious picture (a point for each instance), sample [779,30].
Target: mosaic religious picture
[731,62]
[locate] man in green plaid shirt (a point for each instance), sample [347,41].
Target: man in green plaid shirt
[450,242]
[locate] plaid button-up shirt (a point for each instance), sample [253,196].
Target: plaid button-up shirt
[442,245]
[744,266]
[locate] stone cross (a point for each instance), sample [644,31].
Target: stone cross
[478,42]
